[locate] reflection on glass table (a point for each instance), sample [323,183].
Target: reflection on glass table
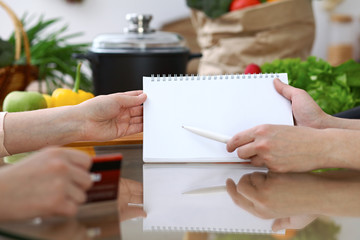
[317,204]
[169,208]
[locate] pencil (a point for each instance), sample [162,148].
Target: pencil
[207,134]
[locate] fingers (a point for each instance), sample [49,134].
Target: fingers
[136,120]
[81,178]
[293,222]
[132,212]
[74,175]
[134,128]
[246,151]
[280,224]
[65,155]
[231,188]
[133,93]
[67,208]
[258,179]
[245,192]
[257,161]
[77,158]
[76,194]
[247,187]
[136,111]
[240,139]
[284,89]
[130,100]
[237,198]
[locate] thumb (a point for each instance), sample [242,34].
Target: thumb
[284,89]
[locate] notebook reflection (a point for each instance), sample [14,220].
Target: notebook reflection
[192,197]
[168,208]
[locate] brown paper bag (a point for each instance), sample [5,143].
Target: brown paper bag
[259,34]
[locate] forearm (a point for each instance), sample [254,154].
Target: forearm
[28,131]
[335,122]
[341,198]
[341,148]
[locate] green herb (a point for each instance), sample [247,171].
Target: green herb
[335,89]
[6,53]
[212,8]
[52,53]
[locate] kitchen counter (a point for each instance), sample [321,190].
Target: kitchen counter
[322,205]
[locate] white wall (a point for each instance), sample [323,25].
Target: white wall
[351,7]
[95,16]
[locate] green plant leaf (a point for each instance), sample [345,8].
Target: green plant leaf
[52,52]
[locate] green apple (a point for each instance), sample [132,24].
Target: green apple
[19,101]
[16,157]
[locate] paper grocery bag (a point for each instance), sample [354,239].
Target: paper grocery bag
[258,34]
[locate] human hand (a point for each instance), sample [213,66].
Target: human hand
[296,199]
[130,191]
[282,148]
[111,116]
[50,182]
[305,110]
[287,198]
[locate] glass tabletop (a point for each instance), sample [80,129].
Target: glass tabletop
[191,202]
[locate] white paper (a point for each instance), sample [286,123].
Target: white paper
[168,208]
[221,104]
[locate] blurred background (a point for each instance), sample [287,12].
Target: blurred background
[327,31]
[93,17]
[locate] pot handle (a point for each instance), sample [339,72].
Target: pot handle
[194,55]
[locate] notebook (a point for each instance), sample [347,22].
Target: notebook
[224,104]
[168,209]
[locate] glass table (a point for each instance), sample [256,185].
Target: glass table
[323,205]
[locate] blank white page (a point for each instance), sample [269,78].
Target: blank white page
[222,104]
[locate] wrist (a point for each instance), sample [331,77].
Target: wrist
[32,130]
[342,123]
[327,121]
[68,119]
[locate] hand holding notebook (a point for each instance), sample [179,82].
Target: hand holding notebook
[221,104]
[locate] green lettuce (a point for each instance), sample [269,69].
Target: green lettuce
[335,89]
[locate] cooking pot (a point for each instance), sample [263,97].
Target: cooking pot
[119,61]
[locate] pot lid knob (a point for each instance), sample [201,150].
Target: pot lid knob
[139,23]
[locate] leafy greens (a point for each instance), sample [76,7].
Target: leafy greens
[335,89]
[52,52]
[212,8]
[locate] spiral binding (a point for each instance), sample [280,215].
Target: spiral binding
[192,77]
[208,229]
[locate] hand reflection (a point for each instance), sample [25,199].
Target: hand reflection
[296,199]
[131,192]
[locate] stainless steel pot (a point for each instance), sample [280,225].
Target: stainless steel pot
[120,60]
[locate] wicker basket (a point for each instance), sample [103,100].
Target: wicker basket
[17,77]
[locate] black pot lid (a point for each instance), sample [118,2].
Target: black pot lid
[138,37]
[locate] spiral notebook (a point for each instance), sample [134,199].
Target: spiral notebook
[169,209]
[224,104]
